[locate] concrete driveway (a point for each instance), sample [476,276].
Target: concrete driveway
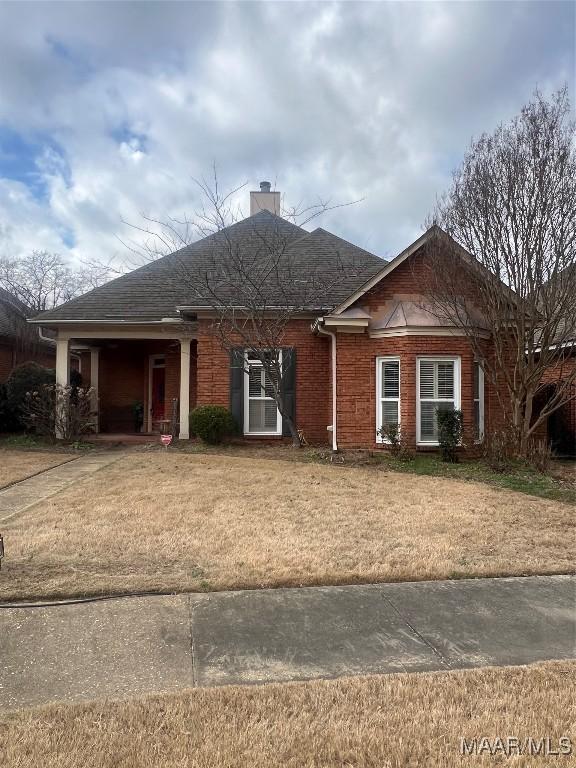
[128,646]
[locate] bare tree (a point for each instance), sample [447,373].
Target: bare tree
[250,286]
[252,294]
[510,273]
[42,280]
[156,237]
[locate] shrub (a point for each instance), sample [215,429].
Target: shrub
[55,409]
[392,436]
[28,377]
[539,455]
[75,378]
[450,430]
[5,415]
[499,447]
[212,423]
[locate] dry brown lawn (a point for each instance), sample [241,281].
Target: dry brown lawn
[371,722]
[174,522]
[18,465]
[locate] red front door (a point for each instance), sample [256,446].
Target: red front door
[158,388]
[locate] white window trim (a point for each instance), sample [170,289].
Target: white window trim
[457,398]
[481,398]
[379,362]
[247,431]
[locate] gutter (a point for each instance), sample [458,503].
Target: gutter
[316,327]
[117,321]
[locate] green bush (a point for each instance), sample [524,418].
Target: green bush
[28,377]
[5,417]
[450,431]
[212,423]
[75,378]
[390,434]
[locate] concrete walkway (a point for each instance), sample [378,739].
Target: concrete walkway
[20,496]
[129,646]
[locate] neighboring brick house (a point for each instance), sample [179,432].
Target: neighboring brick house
[371,355]
[560,426]
[19,343]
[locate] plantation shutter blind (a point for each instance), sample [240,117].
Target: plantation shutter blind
[437,392]
[262,410]
[389,392]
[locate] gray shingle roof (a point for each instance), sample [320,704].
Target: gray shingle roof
[155,290]
[13,314]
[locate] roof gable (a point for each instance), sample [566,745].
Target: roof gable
[388,267]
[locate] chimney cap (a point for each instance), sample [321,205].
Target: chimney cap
[265,186]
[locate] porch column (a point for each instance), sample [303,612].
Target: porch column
[94,361]
[62,373]
[184,389]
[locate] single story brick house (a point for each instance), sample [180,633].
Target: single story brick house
[370,355]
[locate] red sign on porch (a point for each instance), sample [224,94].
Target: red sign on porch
[166,440]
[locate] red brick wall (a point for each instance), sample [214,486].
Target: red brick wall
[357,353]
[124,377]
[10,358]
[313,397]
[405,280]
[356,383]
[122,374]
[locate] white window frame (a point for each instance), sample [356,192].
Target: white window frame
[480,399]
[247,398]
[457,395]
[379,395]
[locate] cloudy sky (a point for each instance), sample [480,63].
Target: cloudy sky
[109,110]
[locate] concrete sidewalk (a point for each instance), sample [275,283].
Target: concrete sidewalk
[20,496]
[129,646]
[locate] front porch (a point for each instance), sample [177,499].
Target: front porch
[144,380]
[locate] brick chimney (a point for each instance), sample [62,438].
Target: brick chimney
[265,200]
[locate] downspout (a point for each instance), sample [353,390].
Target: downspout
[46,338]
[332,335]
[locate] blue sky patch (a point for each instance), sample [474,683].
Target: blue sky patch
[21,160]
[18,160]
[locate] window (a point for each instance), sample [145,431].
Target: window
[261,416]
[387,392]
[478,402]
[438,389]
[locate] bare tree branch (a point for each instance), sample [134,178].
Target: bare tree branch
[512,207]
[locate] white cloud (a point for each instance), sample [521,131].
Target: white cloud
[374,101]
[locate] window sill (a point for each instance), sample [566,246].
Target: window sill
[262,434]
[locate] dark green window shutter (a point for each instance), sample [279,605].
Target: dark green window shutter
[237,386]
[289,386]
